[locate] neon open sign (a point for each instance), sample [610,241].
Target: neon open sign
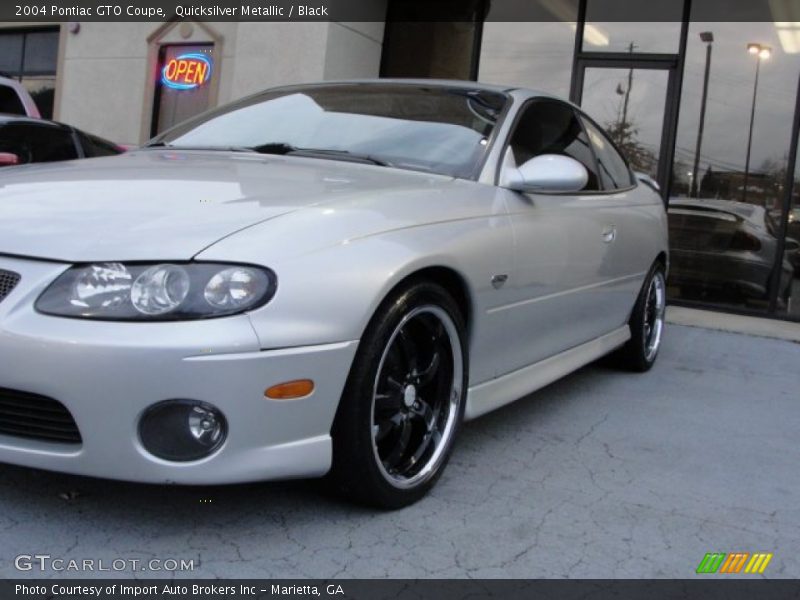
[187,71]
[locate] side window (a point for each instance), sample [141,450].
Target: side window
[547,127]
[94,146]
[10,103]
[33,142]
[614,171]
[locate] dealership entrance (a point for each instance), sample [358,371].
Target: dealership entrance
[698,98]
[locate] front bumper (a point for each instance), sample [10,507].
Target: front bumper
[107,374]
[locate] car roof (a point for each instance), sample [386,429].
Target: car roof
[7,118]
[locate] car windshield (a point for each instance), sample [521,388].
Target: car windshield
[435,129]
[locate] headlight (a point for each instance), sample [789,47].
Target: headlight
[135,292]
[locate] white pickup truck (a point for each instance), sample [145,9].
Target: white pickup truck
[15,99]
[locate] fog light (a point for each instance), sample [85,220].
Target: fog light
[182,430]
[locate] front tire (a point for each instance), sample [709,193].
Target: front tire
[404,399]
[646,324]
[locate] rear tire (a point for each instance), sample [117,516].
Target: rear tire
[404,399]
[646,324]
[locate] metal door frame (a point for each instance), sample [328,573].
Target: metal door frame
[672,63]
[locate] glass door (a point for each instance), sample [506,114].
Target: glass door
[630,100]
[184,84]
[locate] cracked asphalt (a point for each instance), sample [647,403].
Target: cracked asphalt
[602,474]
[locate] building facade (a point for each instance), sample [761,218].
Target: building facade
[705,108]
[105,78]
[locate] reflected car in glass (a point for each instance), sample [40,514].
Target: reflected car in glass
[725,249]
[318,279]
[793,239]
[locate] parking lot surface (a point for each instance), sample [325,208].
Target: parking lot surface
[602,474]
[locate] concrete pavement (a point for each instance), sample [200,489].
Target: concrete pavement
[603,474]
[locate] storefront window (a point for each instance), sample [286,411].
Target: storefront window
[534,55]
[529,45]
[721,158]
[31,58]
[728,176]
[10,52]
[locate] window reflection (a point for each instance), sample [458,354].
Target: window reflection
[724,221]
[629,104]
[30,57]
[529,44]
[724,251]
[533,55]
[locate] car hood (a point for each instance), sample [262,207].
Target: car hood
[171,205]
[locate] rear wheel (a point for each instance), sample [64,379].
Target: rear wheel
[646,324]
[404,399]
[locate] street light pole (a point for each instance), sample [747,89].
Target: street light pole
[707,37]
[761,52]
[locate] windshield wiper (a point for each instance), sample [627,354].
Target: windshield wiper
[281,148]
[287,149]
[340,155]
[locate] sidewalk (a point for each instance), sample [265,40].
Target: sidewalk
[757,326]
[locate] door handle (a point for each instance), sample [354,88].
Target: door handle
[609,234]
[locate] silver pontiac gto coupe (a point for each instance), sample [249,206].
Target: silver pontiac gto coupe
[318,279]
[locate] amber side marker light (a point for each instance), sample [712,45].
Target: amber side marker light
[290,390]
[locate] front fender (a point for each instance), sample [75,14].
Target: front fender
[329,294]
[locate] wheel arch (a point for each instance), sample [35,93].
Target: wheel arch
[450,279]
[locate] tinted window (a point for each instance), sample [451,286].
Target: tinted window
[438,129]
[30,57]
[33,142]
[614,171]
[10,52]
[94,146]
[10,102]
[552,128]
[41,52]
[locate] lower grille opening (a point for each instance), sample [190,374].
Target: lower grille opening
[31,416]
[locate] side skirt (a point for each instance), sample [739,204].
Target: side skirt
[486,397]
